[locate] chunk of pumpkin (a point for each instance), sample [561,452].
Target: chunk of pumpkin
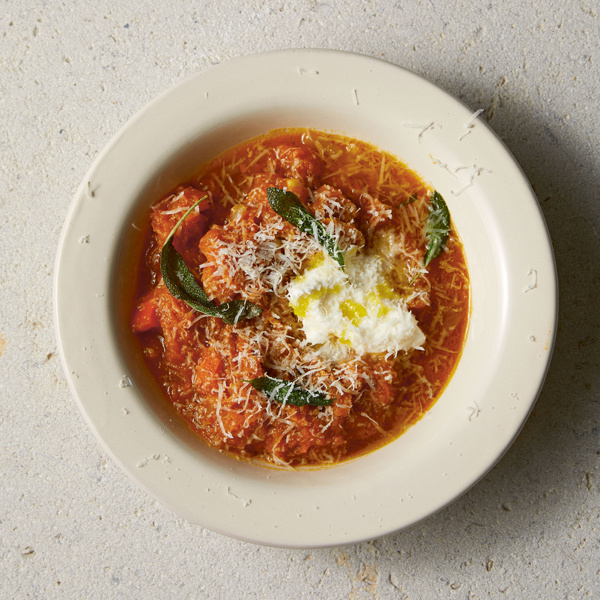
[145,316]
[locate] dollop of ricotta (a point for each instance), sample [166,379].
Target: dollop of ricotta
[357,309]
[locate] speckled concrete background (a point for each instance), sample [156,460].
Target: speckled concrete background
[72,525]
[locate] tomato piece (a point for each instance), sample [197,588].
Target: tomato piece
[145,316]
[168,211]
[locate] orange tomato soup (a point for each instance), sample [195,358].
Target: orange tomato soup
[238,248]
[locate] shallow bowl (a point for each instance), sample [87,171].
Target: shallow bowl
[506,354]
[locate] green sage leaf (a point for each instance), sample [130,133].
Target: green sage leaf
[182,284]
[287,392]
[287,205]
[438,228]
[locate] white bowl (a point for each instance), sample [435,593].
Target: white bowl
[514,298]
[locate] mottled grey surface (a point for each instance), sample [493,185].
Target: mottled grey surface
[72,525]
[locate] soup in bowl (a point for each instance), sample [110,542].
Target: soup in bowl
[333,478]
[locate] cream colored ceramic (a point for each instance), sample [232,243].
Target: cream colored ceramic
[514,302]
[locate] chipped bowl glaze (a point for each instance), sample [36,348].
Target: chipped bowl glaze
[514,298]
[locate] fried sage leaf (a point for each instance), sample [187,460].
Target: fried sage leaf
[287,392]
[438,228]
[287,205]
[182,284]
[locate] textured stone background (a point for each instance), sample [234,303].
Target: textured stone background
[72,525]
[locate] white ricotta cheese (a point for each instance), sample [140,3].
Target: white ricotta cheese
[355,309]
